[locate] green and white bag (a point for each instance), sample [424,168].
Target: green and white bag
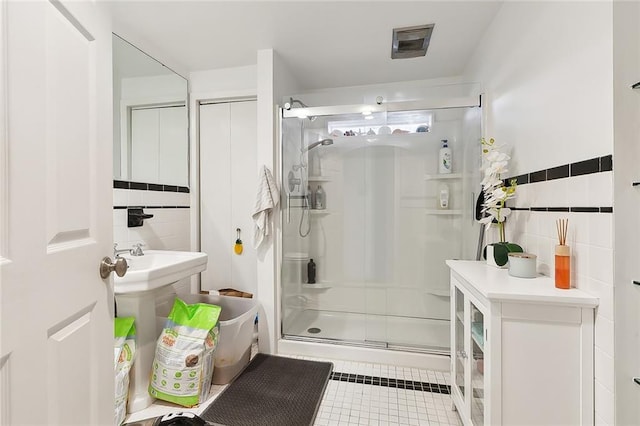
[124,354]
[183,364]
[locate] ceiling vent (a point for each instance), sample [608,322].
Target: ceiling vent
[411,42]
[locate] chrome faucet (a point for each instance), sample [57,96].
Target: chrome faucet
[135,251]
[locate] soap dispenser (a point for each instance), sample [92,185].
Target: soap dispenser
[443,197]
[311,198]
[444,158]
[321,200]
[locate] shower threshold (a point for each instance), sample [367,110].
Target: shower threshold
[405,334]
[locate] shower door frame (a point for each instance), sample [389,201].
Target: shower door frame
[301,113]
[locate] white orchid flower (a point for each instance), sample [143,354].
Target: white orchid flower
[486,220]
[490,180]
[496,193]
[497,168]
[497,156]
[499,193]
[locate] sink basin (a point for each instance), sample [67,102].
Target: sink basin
[158,268]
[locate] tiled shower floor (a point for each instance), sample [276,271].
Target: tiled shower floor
[351,403]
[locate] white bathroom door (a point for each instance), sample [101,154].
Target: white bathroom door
[56,347]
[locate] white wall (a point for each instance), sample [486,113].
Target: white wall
[224,82]
[546,68]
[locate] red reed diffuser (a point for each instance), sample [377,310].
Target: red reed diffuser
[563,256]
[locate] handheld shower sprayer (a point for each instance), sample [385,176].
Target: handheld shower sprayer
[323,142]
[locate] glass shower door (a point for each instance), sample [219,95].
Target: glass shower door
[379,239]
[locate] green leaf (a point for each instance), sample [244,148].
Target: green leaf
[514,248]
[500,254]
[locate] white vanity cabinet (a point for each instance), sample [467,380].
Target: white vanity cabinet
[521,350]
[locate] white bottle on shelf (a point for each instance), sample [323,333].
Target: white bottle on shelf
[443,197]
[320,201]
[444,158]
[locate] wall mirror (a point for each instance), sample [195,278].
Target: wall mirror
[150,128]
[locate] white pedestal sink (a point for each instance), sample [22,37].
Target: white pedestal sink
[148,280]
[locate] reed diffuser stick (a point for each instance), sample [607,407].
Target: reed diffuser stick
[562,226]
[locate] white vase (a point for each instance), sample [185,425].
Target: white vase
[491,260]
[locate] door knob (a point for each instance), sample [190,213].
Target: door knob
[119,266]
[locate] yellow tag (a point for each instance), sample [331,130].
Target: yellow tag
[237,248]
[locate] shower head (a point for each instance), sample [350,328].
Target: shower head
[289,105]
[323,142]
[291,102]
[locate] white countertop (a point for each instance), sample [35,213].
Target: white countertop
[497,285]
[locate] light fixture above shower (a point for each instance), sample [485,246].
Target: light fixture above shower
[403,121]
[411,42]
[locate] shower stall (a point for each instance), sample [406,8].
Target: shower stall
[367,220]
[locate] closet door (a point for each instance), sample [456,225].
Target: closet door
[228,186]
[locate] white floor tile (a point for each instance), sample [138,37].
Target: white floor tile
[357,404]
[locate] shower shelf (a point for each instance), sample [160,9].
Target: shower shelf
[443,176]
[321,212]
[319,179]
[317,286]
[444,212]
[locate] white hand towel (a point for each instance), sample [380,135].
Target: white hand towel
[267,199]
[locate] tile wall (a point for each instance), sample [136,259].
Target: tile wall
[583,193]
[169,229]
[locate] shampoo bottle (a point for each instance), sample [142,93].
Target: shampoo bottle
[320,202]
[444,158]
[311,272]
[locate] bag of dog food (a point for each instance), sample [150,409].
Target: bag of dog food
[124,354]
[183,364]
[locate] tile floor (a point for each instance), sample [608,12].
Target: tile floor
[351,404]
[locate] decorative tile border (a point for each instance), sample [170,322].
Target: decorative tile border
[580,168]
[391,383]
[123,184]
[150,207]
[565,209]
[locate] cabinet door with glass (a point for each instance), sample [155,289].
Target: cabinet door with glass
[468,335]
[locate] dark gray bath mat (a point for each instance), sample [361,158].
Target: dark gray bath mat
[272,391]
